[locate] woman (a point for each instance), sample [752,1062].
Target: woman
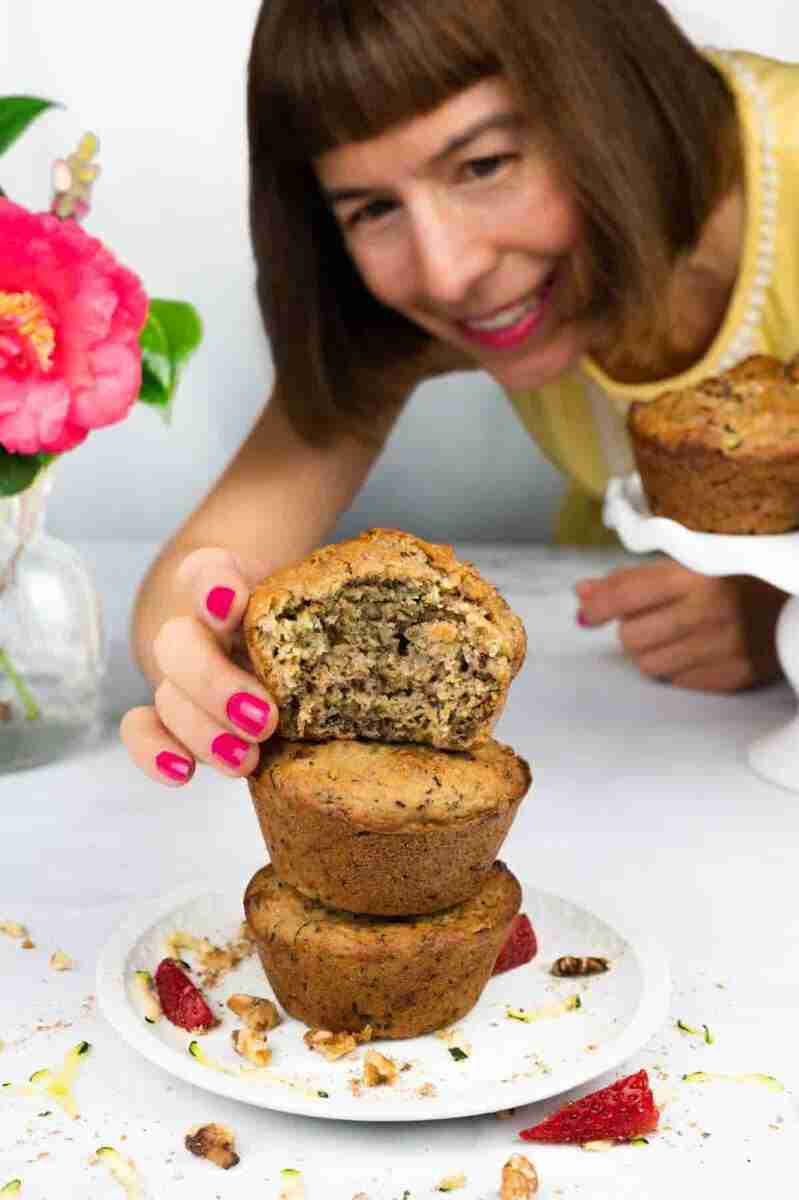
[567,195]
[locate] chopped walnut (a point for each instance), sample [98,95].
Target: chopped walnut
[426,1090]
[258,1014]
[331,1045]
[377,1069]
[519,1179]
[214,1142]
[60,961]
[252,1046]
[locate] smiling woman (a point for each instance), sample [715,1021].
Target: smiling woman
[457,221]
[641,127]
[568,195]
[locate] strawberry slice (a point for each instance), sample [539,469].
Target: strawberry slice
[520,945]
[625,1109]
[182,1001]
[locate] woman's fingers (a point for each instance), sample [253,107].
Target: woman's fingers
[219,583]
[632,590]
[690,652]
[191,659]
[153,748]
[206,739]
[207,707]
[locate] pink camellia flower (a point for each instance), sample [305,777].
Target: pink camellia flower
[70,317]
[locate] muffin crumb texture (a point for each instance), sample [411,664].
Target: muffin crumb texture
[386,638]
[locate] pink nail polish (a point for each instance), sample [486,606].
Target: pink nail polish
[248,712]
[582,620]
[230,749]
[174,766]
[218,602]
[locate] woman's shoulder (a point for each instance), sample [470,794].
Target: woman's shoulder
[768,81]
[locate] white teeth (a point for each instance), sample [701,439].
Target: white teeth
[506,318]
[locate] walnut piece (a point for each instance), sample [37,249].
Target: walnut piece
[336,1045]
[258,1014]
[519,1179]
[214,1142]
[377,1069]
[252,1046]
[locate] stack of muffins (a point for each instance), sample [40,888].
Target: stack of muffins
[383,800]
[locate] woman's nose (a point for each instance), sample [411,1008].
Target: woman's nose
[453,253]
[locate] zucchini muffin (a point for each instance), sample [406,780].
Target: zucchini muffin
[404,976]
[384,637]
[385,829]
[723,457]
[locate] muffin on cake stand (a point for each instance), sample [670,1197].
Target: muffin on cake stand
[773,558]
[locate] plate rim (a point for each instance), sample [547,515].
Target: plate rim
[110,978]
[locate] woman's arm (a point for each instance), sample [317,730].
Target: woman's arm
[277,500]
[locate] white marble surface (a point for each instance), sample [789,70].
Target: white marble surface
[642,800]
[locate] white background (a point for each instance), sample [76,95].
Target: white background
[162,85]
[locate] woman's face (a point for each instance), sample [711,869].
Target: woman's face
[457,220]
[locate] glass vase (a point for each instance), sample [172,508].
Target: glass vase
[52,642]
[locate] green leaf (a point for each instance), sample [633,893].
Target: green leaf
[18,471]
[182,325]
[171,335]
[152,391]
[158,375]
[17,113]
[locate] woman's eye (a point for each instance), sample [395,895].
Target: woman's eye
[370,212]
[484,168]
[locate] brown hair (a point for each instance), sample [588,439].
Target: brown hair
[635,117]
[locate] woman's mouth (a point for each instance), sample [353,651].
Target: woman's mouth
[508,328]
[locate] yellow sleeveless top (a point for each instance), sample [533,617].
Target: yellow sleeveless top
[579,421]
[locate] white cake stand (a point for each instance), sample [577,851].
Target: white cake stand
[771,557]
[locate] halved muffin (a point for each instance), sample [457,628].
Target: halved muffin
[404,976]
[384,637]
[386,829]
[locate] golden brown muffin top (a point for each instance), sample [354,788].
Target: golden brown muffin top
[276,910]
[385,554]
[749,412]
[393,787]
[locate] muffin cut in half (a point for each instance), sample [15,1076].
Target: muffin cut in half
[386,829]
[385,637]
[723,457]
[404,976]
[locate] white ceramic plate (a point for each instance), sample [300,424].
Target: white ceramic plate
[511,1063]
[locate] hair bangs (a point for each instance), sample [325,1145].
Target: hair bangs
[355,68]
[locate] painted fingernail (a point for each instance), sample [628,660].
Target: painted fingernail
[582,619]
[174,766]
[230,749]
[248,712]
[218,602]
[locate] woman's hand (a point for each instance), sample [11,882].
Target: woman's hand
[712,634]
[208,706]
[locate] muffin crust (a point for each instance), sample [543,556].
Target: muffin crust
[386,829]
[403,976]
[723,457]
